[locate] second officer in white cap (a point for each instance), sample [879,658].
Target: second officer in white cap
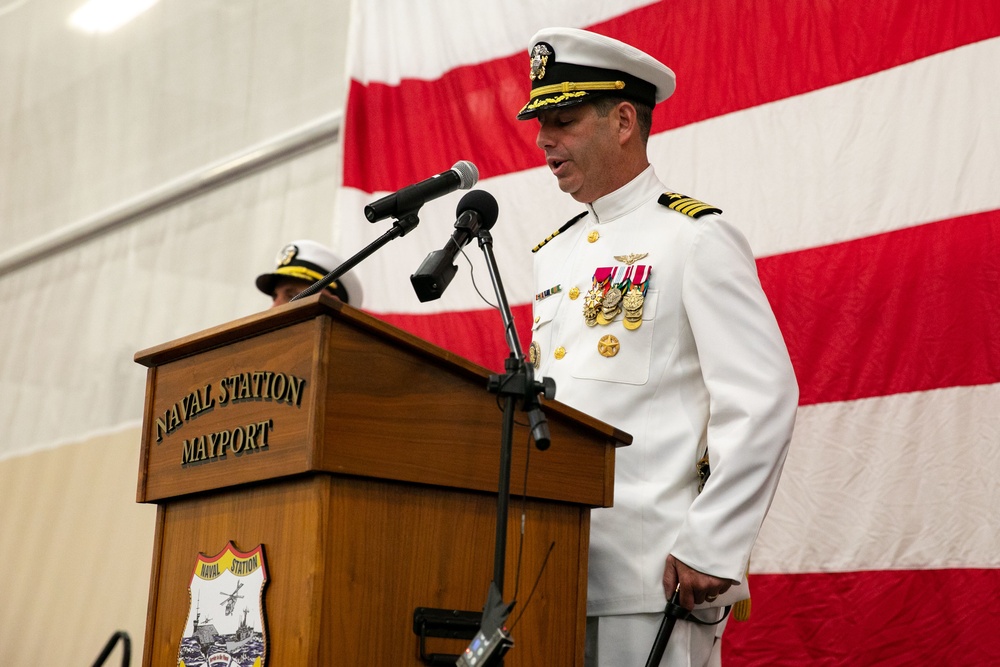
[299,265]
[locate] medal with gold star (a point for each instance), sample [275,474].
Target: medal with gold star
[592,305]
[594,299]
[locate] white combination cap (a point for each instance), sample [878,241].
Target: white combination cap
[570,66]
[309,261]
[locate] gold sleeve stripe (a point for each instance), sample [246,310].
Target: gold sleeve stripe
[687,205]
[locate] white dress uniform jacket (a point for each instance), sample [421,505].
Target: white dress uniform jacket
[707,370]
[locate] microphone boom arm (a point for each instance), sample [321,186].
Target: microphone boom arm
[400,227]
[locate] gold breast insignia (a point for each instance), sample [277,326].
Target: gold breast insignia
[608,346]
[632,257]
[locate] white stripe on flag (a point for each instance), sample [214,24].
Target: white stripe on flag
[914,144]
[394,41]
[897,482]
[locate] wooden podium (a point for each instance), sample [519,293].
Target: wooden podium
[366,461]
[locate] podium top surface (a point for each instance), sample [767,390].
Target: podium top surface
[317,386]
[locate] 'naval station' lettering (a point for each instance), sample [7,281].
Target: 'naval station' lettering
[243,567]
[237,388]
[209,570]
[240,440]
[197,402]
[262,385]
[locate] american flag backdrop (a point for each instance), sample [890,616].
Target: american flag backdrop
[857,145]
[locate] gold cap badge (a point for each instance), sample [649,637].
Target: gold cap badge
[539,59]
[287,254]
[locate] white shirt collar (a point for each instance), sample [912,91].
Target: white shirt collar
[628,197]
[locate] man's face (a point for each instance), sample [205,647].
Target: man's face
[581,149]
[286,289]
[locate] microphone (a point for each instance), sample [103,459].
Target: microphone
[407,200]
[477,212]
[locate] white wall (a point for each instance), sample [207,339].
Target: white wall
[88,124]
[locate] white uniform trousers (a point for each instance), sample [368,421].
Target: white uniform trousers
[625,641]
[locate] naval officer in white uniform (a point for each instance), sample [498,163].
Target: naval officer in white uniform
[299,265]
[649,315]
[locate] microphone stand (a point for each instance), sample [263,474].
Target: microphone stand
[516,383]
[400,227]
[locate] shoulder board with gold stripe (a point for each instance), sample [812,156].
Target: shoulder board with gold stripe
[686,205]
[572,221]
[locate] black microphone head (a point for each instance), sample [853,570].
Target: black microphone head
[484,204]
[468,174]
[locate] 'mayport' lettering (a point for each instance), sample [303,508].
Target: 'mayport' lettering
[238,441]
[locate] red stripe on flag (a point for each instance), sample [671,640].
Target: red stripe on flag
[739,55]
[885,618]
[477,335]
[908,310]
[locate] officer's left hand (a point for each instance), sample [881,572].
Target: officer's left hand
[695,587]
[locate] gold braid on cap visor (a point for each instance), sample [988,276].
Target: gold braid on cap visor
[302,273]
[569,90]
